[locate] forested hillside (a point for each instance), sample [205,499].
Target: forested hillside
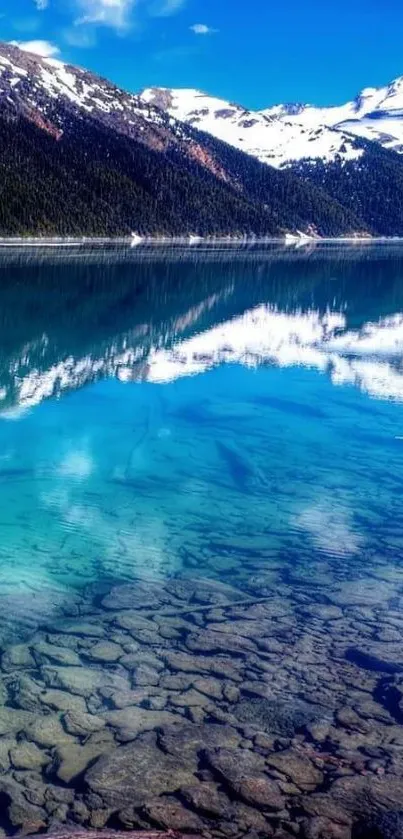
[93,181]
[79,156]
[371,188]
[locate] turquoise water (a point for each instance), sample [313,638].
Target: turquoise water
[204,426]
[117,462]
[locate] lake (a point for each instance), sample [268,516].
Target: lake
[201,575]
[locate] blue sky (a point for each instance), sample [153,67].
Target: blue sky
[256,52]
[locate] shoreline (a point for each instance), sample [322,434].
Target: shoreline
[193,242]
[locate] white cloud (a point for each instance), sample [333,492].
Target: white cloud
[118,13]
[41,5]
[44,48]
[202,29]
[114,13]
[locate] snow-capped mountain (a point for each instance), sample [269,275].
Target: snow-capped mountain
[272,138]
[81,156]
[118,163]
[375,114]
[282,134]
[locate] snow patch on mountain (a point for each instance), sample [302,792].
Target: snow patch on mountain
[29,80]
[268,136]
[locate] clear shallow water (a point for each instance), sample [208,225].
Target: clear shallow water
[231,416]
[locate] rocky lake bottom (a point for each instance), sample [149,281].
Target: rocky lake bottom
[271,710]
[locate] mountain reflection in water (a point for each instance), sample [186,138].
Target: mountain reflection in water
[68,319]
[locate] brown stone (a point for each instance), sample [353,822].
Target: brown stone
[72,760]
[297,767]
[134,773]
[82,724]
[171,814]
[260,792]
[133,720]
[205,798]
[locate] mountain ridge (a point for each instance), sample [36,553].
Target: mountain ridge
[361,170]
[80,156]
[121,165]
[284,130]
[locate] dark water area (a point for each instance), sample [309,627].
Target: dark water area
[201,556]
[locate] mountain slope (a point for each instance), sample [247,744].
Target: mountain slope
[94,182]
[80,156]
[364,176]
[372,190]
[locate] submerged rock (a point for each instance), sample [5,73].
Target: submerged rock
[235,765]
[12,720]
[361,592]
[211,687]
[105,651]
[5,745]
[47,731]
[206,641]
[276,716]
[387,825]
[216,665]
[298,768]
[72,760]
[133,774]
[61,700]
[189,740]
[15,657]
[368,795]
[169,813]
[321,827]
[377,657]
[45,653]
[143,594]
[28,756]
[263,793]
[84,628]
[82,681]
[26,692]
[205,798]
[81,724]
[133,720]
